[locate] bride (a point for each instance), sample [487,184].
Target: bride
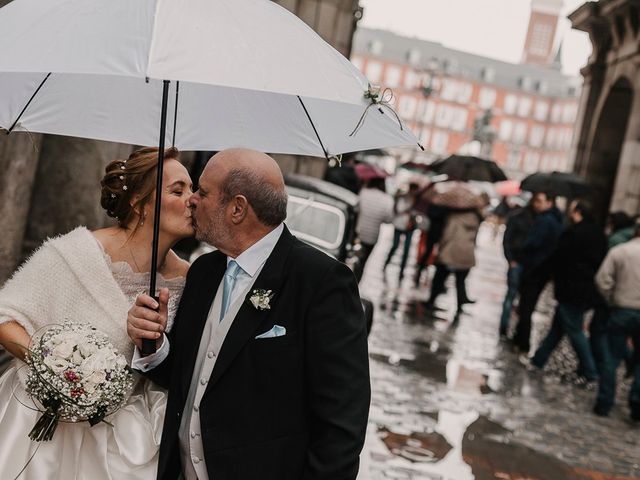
[94,277]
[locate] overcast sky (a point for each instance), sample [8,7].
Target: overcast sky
[493,28]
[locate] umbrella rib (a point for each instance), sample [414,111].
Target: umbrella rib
[28,103]
[314,127]
[175,115]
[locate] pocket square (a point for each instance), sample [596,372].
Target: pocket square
[276,331]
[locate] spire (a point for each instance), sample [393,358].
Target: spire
[557,61]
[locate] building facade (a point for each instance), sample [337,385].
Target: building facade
[50,184]
[442,94]
[607,147]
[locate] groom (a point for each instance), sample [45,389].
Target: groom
[266,365]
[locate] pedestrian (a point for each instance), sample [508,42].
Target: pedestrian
[581,249]
[376,208]
[618,279]
[536,252]
[519,223]
[456,254]
[437,216]
[404,225]
[620,228]
[266,366]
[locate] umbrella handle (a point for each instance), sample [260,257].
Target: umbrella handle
[149,345]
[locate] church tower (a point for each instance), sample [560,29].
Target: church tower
[543,24]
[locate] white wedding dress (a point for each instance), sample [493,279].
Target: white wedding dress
[71,277]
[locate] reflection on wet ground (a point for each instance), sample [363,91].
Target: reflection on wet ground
[450,402]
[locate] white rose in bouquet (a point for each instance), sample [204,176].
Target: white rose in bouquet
[55,363]
[63,349]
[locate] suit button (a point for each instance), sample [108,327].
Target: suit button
[196,460]
[195,409]
[211,354]
[203,381]
[194,434]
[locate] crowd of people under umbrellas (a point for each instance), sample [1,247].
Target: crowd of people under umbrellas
[595,271]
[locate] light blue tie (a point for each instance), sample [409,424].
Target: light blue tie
[229,281]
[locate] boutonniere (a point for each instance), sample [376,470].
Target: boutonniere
[260,299]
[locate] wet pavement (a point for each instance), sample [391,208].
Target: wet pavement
[451,402]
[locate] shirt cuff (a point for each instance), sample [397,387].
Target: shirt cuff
[144,364]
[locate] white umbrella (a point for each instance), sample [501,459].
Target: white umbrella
[244,73]
[211,74]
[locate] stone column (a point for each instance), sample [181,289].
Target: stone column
[67,187]
[19,153]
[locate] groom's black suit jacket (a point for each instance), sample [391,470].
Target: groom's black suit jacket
[285,408]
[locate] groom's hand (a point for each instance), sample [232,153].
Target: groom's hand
[148,318]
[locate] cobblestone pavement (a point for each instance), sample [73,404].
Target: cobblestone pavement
[451,402]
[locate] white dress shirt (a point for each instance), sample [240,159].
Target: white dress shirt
[251,262]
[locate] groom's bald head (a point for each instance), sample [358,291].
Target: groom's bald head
[250,198]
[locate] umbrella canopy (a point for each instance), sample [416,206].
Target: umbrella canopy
[367,171]
[242,72]
[466,168]
[508,188]
[455,195]
[560,184]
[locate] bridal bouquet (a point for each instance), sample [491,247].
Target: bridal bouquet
[76,375]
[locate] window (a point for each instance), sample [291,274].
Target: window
[569,113]
[459,122]
[487,98]
[429,111]
[374,71]
[531,162]
[449,90]
[444,116]
[524,106]
[425,135]
[440,142]
[541,111]
[550,141]
[411,79]
[520,132]
[375,47]
[465,90]
[506,129]
[413,56]
[407,106]
[556,113]
[392,76]
[513,159]
[536,137]
[510,104]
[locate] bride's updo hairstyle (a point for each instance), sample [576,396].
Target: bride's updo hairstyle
[128,185]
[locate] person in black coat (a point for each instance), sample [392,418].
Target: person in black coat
[536,252]
[272,385]
[519,223]
[580,252]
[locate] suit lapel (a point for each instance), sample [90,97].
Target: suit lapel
[249,318]
[197,312]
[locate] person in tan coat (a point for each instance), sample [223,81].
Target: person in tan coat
[456,255]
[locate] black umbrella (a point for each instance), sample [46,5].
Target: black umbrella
[466,168]
[559,184]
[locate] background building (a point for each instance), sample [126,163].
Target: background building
[444,94]
[50,184]
[607,149]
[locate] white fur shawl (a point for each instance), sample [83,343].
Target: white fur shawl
[68,278]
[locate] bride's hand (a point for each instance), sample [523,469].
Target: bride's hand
[146,320]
